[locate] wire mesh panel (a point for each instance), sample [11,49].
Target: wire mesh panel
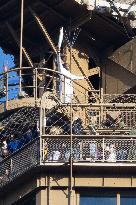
[119,98]
[20,162]
[20,121]
[55,149]
[89,150]
[120,118]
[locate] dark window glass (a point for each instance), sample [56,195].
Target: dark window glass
[98,200]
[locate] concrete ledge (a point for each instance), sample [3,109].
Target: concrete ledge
[17,103]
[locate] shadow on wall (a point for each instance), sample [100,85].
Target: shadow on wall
[116,79]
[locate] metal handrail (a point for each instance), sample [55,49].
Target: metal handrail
[92,149]
[34,87]
[17,163]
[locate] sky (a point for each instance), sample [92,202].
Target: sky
[6,59]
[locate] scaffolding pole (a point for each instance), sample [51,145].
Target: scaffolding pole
[21,43]
[71,141]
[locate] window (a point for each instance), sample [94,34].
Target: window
[108,197]
[127,200]
[98,200]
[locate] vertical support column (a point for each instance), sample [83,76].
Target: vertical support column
[71,141]
[21,43]
[103,158]
[44,121]
[40,126]
[34,80]
[35,85]
[77,202]
[64,100]
[101,108]
[71,151]
[41,197]
[7,90]
[118,198]
[49,190]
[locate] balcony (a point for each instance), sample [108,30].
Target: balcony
[97,131]
[90,151]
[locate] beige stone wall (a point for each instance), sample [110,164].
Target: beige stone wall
[57,192]
[79,62]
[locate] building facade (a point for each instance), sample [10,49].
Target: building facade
[68,121]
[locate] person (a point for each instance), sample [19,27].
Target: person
[1,155]
[100,151]
[122,151]
[27,136]
[112,154]
[5,177]
[107,151]
[93,123]
[4,148]
[77,126]
[93,150]
[76,151]
[13,144]
[56,155]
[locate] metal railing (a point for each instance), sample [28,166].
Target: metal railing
[93,149]
[20,162]
[33,82]
[85,119]
[119,98]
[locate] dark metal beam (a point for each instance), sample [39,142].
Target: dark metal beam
[7,5]
[52,10]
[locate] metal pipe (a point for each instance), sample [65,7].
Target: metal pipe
[39,22]
[102,137]
[7,91]
[49,189]
[40,128]
[36,85]
[71,140]
[21,41]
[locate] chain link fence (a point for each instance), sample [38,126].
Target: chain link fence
[20,162]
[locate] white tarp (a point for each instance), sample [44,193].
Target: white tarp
[66,76]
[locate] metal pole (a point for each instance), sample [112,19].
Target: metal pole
[71,141]
[101,109]
[7,90]
[36,85]
[39,22]
[118,198]
[21,42]
[40,127]
[103,146]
